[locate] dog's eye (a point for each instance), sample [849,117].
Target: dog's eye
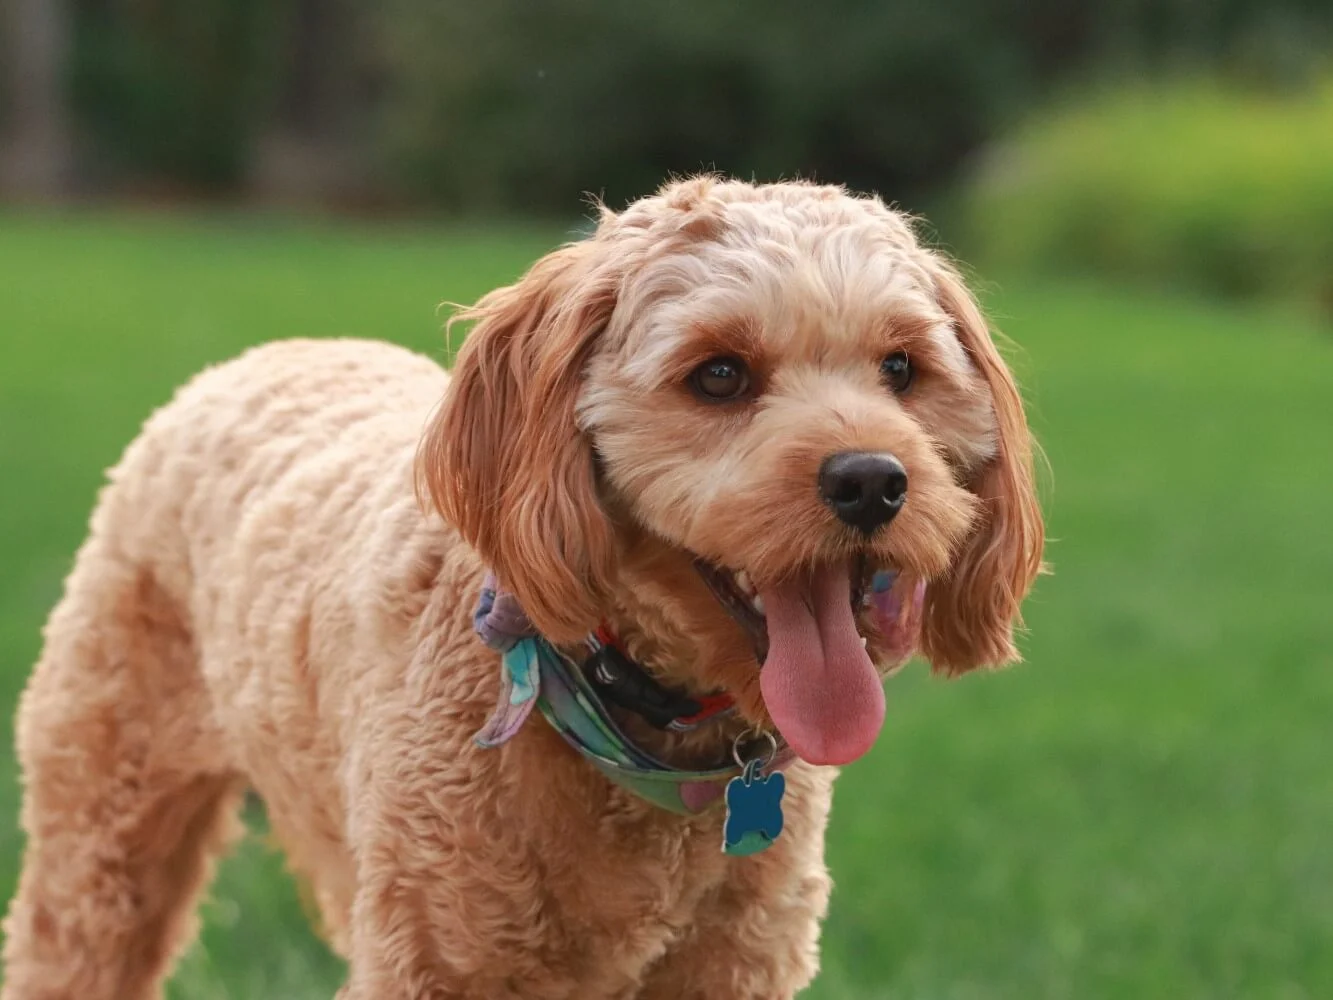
[896,371]
[721,379]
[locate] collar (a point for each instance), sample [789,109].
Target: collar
[573,698]
[617,678]
[622,681]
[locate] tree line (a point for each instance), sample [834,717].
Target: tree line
[523,105]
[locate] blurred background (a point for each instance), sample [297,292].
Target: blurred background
[1143,192]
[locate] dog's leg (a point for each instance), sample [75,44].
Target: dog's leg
[127,795]
[757,937]
[758,948]
[457,898]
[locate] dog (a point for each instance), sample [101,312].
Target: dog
[743,449]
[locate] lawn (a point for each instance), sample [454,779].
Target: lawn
[1143,810]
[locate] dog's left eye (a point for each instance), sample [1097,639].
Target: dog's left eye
[896,371]
[721,379]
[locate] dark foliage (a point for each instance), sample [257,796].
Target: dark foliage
[525,104]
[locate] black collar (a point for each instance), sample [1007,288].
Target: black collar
[623,682]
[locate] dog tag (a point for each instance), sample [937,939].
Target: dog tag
[754,811]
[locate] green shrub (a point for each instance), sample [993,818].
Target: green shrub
[1192,183]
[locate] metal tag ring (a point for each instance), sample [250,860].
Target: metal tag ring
[747,737]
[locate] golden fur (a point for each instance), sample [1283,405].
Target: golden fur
[262,603]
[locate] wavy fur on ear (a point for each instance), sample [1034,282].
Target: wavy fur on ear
[503,459]
[971,612]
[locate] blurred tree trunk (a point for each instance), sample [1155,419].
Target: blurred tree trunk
[310,150]
[318,28]
[35,149]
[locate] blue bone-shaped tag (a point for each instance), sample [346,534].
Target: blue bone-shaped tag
[754,811]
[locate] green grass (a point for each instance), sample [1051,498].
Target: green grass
[1145,809]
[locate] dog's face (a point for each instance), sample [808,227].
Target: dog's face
[729,409]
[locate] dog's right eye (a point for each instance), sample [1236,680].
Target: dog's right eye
[721,379]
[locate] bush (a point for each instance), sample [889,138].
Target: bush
[1195,183]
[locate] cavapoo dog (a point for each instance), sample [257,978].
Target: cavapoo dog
[542,667]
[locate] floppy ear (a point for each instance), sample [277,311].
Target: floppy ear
[503,459]
[970,614]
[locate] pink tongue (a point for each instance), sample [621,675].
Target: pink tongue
[820,687]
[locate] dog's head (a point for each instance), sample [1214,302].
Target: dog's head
[720,415]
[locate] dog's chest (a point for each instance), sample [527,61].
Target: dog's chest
[639,891]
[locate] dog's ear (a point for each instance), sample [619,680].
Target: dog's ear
[503,459]
[970,613]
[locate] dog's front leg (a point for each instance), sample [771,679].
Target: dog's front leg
[457,898]
[757,937]
[444,914]
[746,950]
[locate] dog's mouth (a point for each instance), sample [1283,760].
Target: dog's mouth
[819,684]
[741,599]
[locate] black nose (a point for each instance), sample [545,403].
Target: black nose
[864,488]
